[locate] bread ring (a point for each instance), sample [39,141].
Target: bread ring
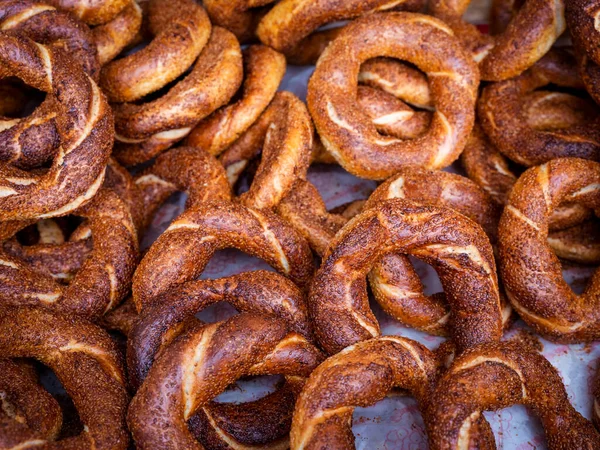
[264,69]
[463,256]
[393,280]
[112,37]
[181,29]
[350,137]
[502,119]
[497,375]
[286,26]
[284,136]
[172,313]
[94,12]
[531,272]
[241,17]
[87,363]
[162,321]
[103,279]
[45,25]
[144,130]
[186,169]
[202,230]
[361,375]
[84,124]
[29,411]
[581,16]
[528,36]
[255,345]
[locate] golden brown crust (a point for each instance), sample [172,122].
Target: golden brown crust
[146,129]
[531,272]
[497,375]
[263,71]
[247,344]
[503,120]
[92,12]
[456,246]
[345,130]
[305,210]
[238,16]
[181,253]
[114,36]
[529,35]
[185,169]
[289,22]
[360,375]
[104,277]
[181,29]
[283,135]
[164,318]
[86,361]
[28,411]
[581,16]
[392,116]
[45,25]
[84,124]
[490,169]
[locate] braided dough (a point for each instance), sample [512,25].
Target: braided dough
[529,35]
[84,125]
[172,313]
[531,272]
[497,375]
[181,253]
[345,130]
[181,30]
[459,249]
[200,365]
[87,363]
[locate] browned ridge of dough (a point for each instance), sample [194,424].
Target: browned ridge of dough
[283,136]
[201,364]
[493,376]
[531,272]
[360,375]
[264,69]
[517,46]
[456,246]
[347,132]
[182,252]
[84,124]
[88,364]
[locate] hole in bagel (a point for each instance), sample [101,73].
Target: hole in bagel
[18,99]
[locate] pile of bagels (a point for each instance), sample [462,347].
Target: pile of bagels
[108,107]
